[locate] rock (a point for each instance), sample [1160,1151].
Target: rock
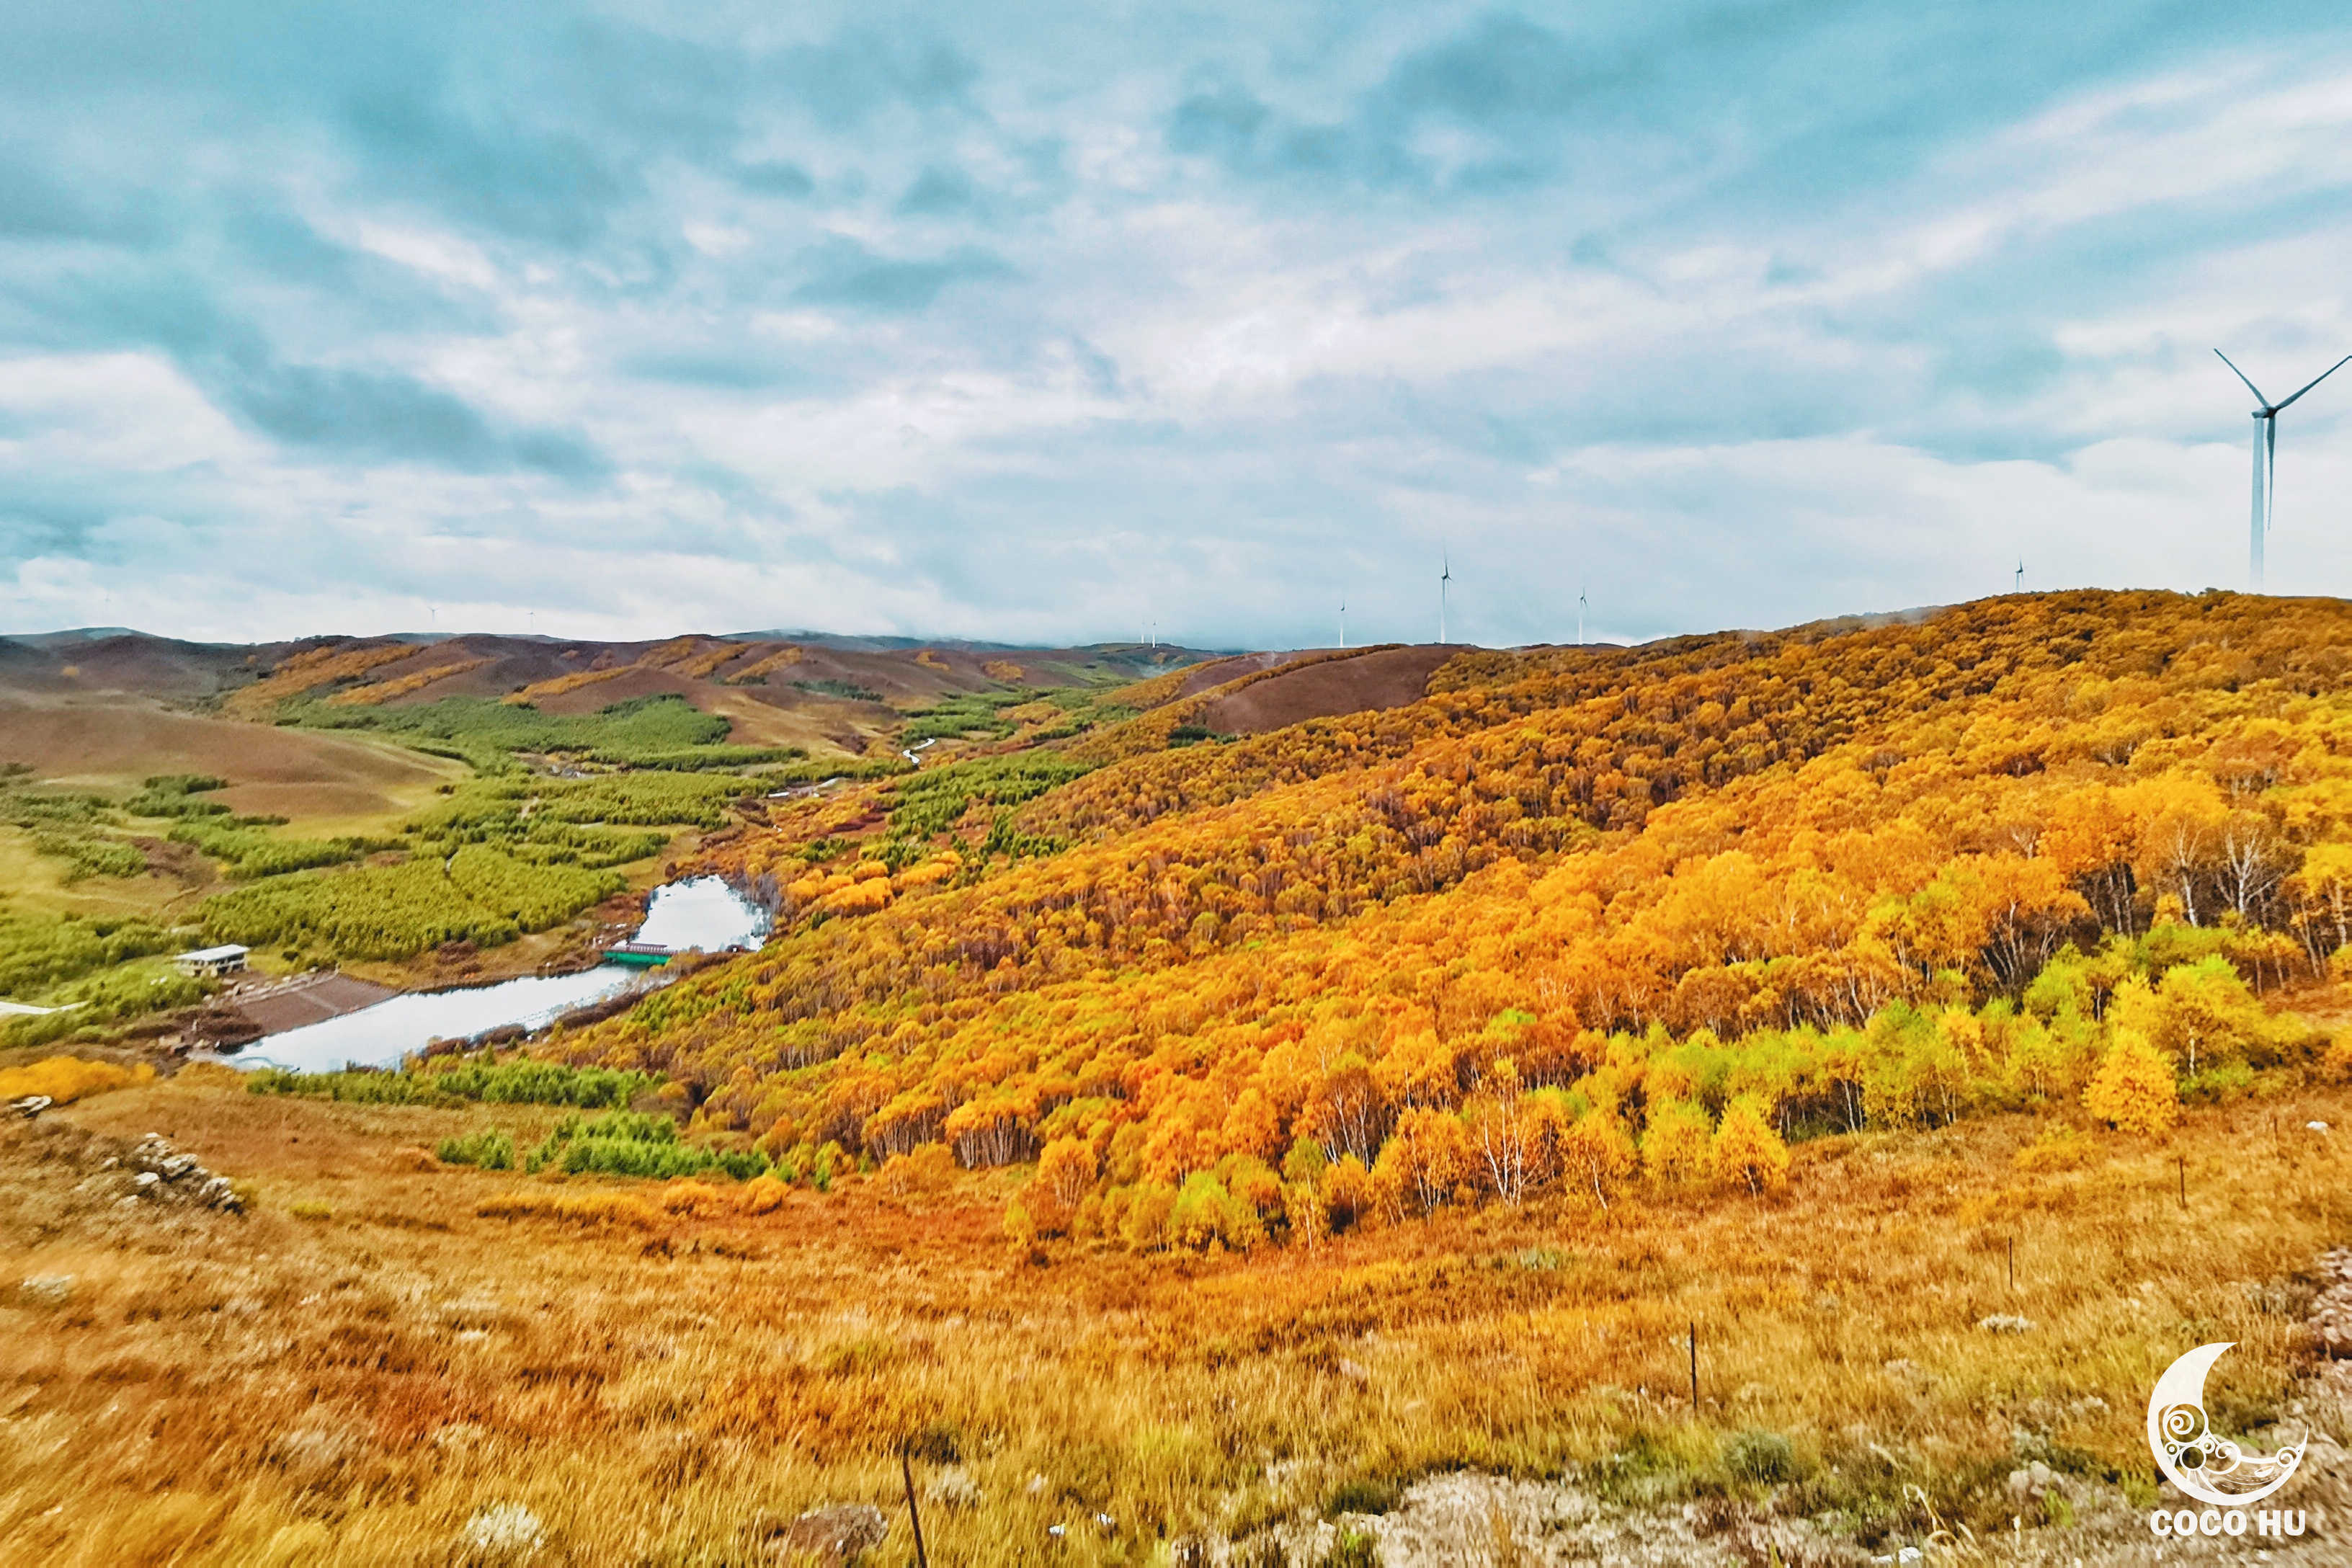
[834,1537]
[45,1290]
[2316,1126]
[2031,1483]
[32,1105]
[1355,1371]
[145,1181]
[505,1527]
[2006,1323]
[177,1166]
[954,1488]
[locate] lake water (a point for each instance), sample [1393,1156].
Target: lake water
[703,914]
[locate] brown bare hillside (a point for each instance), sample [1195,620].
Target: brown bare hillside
[117,742]
[1325,688]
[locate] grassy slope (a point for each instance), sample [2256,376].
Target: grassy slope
[273,1388]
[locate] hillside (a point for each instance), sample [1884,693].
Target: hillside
[297,796]
[1768,1097]
[1587,916]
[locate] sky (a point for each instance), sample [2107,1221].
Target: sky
[1051,324]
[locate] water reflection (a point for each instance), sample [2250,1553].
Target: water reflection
[703,914]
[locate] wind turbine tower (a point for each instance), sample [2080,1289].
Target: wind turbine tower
[1343,620]
[2020,586]
[1580,617]
[1444,577]
[2266,414]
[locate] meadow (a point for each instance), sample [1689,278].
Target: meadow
[387,1346]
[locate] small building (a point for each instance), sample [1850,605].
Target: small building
[214,961]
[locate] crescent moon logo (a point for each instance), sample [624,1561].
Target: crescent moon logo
[2192,1455]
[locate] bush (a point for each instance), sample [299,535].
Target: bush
[636,1143]
[1354,1548]
[66,1078]
[489,1149]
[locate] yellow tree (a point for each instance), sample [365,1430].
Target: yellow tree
[1598,1152]
[1746,1149]
[1676,1146]
[2134,1088]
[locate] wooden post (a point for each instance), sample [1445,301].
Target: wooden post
[1694,1361]
[907,1473]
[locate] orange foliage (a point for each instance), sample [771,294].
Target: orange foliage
[560,684]
[384,691]
[307,672]
[1580,913]
[762,669]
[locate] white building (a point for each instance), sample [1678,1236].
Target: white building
[214,961]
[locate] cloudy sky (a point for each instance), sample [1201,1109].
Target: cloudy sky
[1052,322]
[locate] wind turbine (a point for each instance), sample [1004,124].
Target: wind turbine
[2266,414]
[2019,588]
[1444,577]
[1580,617]
[1343,620]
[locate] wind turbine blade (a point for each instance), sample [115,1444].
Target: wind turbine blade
[2315,379]
[2250,385]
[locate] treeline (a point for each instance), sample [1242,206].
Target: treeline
[450,1080]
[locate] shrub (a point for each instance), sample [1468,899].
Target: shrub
[1353,1549]
[67,1079]
[489,1149]
[637,1143]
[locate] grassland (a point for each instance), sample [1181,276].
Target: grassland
[386,1346]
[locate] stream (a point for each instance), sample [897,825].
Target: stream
[700,914]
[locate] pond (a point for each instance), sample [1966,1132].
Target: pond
[702,914]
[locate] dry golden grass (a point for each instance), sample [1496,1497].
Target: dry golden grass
[661,1373]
